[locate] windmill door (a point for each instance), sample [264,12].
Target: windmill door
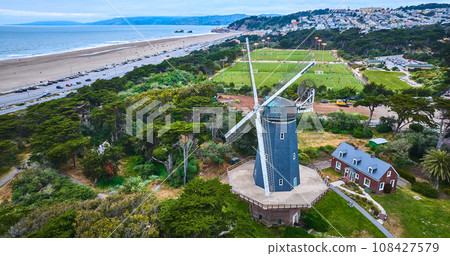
[295,182]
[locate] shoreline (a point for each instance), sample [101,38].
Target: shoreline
[20,72]
[99,46]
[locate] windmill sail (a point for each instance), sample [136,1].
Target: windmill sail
[264,150]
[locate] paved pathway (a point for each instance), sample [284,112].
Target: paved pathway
[366,214]
[8,177]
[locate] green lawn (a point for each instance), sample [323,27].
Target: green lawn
[297,55]
[416,218]
[332,74]
[389,79]
[347,220]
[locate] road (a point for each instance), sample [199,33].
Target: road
[8,177]
[109,72]
[366,214]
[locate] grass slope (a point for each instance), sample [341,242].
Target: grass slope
[416,218]
[389,79]
[347,220]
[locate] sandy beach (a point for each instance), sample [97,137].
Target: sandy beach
[21,72]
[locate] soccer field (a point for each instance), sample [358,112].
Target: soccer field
[269,74]
[292,55]
[389,79]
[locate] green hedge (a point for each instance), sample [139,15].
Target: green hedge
[425,189]
[406,175]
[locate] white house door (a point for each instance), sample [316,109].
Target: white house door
[347,173]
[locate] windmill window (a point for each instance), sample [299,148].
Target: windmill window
[280,182]
[282,136]
[267,157]
[293,156]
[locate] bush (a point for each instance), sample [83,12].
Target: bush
[387,188]
[361,133]
[315,221]
[416,127]
[311,152]
[304,158]
[425,189]
[383,128]
[342,122]
[292,232]
[406,175]
[328,149]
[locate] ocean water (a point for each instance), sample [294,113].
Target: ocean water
[26,41]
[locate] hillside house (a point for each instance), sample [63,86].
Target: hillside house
[363,168]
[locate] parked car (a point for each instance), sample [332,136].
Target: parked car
[59,87]
[324,101]
[88,80]
[44,95]
[68,85]
[78,82]
[32,88]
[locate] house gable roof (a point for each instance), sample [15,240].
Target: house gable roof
[365,161]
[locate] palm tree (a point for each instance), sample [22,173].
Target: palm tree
[437,164]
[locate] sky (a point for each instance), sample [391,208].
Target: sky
[21,11]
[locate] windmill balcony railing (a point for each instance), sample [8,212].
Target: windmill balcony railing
[231,167]
[281,206]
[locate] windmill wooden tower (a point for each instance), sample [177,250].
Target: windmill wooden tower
[270,183]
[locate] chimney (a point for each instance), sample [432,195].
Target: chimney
[356,147]
[372,155]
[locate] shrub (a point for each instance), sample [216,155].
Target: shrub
[425,189]
[387,188]
[416,127]
[383,128]
[328,149]
[292,232]
[406,175]
[342,122]
[304,158]
[311,152]
[315,221]
[370,191]
[361,133]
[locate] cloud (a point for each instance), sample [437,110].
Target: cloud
[47,14]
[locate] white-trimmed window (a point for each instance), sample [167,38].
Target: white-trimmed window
[389,174]
[355,162]
[341,154]
[392,183]
[381,185]
[280,182]
[370,169]
[293,156]
[357,176]
[366,182]
[282,136]
[338,165]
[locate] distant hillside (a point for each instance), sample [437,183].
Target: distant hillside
[52,23]
[424,6]
[271,22]
[167,20]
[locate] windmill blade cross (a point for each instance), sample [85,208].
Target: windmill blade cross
[262,152]
[252,77]
[295,78]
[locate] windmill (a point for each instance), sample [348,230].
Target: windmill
[275,124]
